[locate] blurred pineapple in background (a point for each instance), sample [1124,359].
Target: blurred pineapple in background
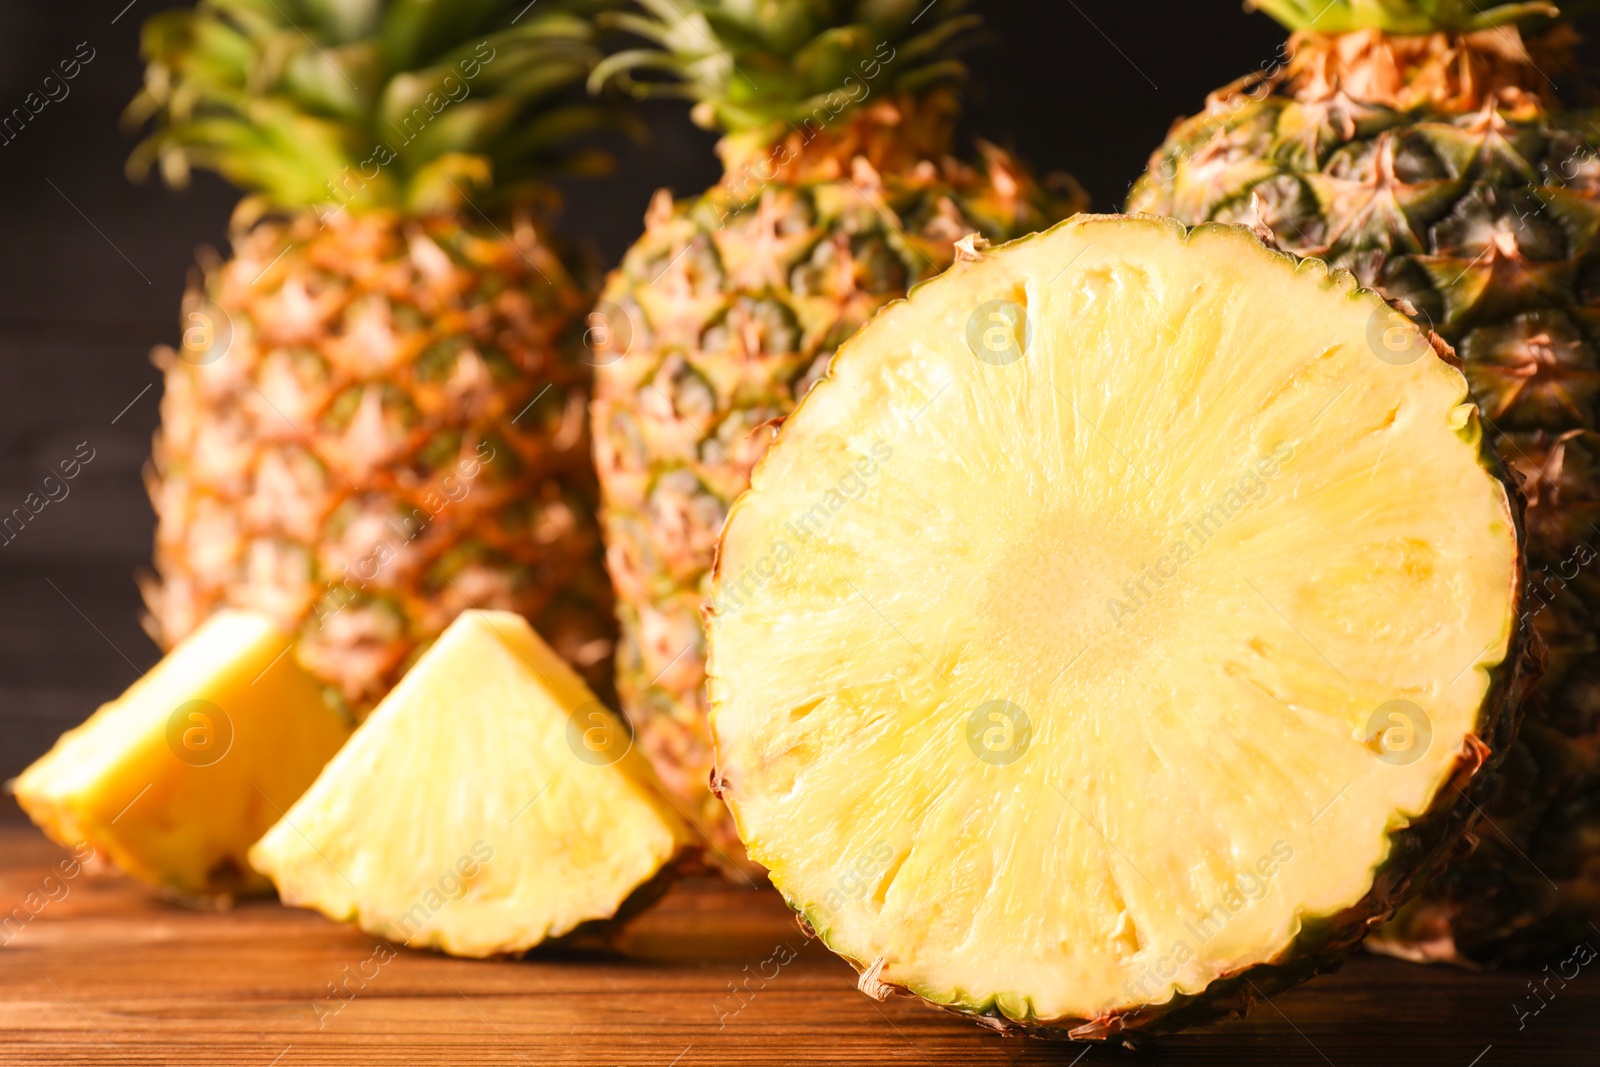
[839,192]
[377,416]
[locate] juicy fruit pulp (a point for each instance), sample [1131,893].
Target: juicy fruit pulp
[175,779]
[487,804]
[1439,169]
[1112,621]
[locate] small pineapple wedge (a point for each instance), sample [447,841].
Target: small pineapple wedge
[174,780]
[489,803]
[1118,628]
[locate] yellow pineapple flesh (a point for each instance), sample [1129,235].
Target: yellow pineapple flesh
[1116,629]
[489,803]
[175,779]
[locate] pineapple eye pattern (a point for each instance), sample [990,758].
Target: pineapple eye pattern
[1395,340]
[998,732]
[1400,731]
[199,733]
[999,332]
[207,335]
[596,736]
[609,335]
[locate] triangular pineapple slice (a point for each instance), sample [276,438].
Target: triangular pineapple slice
[175,779]
[1115,620]
[488,803]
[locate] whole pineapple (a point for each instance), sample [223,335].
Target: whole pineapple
[1422,146]
[839,192]
[377,418]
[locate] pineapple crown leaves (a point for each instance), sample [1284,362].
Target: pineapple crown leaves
[1402,16]
[754,65]
[369,103]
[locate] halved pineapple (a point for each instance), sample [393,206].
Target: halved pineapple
[174,780]
[1107,633]
[488,803]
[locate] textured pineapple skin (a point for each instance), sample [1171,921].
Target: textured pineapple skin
[374,423]
[1485,221]
[715,325]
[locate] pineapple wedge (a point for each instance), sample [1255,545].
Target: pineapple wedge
[174,780]
[488,803]
[1117,629]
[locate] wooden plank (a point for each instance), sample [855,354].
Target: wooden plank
[108,973]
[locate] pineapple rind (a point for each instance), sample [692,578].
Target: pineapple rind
[1413,842]
[461,817]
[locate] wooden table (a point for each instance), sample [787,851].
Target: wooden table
[110,974]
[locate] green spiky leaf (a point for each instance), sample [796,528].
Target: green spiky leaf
[368,103]
[757,64]
[1402,16]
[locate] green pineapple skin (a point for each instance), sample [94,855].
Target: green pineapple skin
[718,321]
[1486,224]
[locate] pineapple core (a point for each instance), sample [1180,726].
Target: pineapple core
[175,779]
[1088,631]
[488,803]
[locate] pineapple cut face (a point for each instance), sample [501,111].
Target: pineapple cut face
[488,803]
[1088,632]
[174,780]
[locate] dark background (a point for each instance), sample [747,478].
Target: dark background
[92,268]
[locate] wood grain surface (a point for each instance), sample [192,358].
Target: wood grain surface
[108,973]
